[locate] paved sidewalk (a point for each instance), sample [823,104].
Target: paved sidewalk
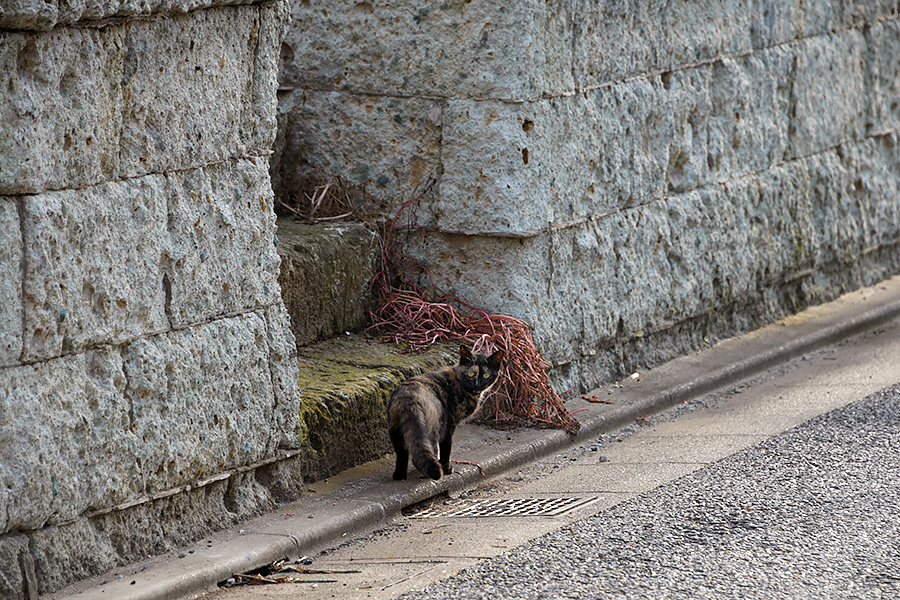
[360,498]
[470,546]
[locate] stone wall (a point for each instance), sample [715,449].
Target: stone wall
[147,369]
[633,178]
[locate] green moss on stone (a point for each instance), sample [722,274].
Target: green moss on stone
[345,384]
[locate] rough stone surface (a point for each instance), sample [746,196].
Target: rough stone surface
[85,105]
[92,265]
[220,257]
[479,49]
[726,247]
[65,440]
[621,39]
[287,430]
[60,113]
[828,100]
[71,552]
[201,400]
[634,141]
[260,118]
[11,578]
[325,277]
[618,40]
[147,367]
[184,101]
[89,547]
[403,150]
[696,168]
[28,14]
[41,15]
[11,275]
[882,76]
[110,262]
[737,75]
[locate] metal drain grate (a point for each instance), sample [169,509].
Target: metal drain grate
[512,507]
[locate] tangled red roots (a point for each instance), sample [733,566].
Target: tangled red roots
[405,316]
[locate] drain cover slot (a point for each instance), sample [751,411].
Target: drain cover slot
[512,507]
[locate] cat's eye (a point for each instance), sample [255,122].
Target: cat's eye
[486,375]
[473,373]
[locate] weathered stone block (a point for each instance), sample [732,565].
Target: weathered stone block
[514,169]
[617,40]
[92,265]
[185,101]
[66,443]
[854,199]
[202,400]
[325,277]
[12,581]
[60,113]
[514,51]
[87,105]
[260,120]
[28,14]
[11,276]
[42,15]
[828,97]
[320,134]
[496,156]
[219,257]
[288,431]
[688,99]
[778,21]
[73,551]
[749,116]
[882,77]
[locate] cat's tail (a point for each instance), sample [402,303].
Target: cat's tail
[427,464]
[422,453]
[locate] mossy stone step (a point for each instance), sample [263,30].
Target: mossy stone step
[345,385]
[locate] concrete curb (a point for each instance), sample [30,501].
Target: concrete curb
[361,498]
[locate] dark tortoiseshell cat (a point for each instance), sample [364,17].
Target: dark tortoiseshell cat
[424,411]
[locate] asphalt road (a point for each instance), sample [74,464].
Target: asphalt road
[813,512]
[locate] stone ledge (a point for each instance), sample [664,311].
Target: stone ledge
[325,275]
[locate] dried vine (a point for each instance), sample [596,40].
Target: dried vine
[404,315]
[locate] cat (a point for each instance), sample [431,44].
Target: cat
[423,411]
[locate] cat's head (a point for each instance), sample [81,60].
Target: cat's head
[477,372]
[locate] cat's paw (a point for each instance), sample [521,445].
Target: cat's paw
[434,470]
[399,476]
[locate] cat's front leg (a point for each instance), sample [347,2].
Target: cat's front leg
[402,455]
[445,447]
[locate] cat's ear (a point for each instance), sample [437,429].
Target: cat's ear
[495,359]
[465,356]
